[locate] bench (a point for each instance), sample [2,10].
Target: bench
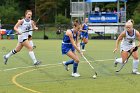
[8,33]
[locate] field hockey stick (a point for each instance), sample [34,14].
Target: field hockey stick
[124,62]
[22,32]
[89,64]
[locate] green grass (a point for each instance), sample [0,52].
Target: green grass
[52,78]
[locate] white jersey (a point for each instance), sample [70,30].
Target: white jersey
[25,26]
[128,41]
[31,32]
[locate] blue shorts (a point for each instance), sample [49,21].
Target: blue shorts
[84,35]
[66,48]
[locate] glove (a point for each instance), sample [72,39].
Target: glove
[135,49]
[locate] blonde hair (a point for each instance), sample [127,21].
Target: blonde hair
[129,23]
[131,20]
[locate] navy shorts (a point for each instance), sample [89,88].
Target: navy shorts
[84,35]
[66,48]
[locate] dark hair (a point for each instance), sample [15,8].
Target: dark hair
[75,22]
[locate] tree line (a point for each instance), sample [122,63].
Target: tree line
[57,11]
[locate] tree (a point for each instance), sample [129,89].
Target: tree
[9,11]
[48,6]
[136,14]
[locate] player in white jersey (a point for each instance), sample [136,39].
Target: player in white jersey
[128,45]
[20,27]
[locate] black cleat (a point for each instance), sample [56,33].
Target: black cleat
[5,60]
[115,64]
[37,63]
[34,47]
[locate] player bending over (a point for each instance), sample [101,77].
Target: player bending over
[127,45]
[69,44]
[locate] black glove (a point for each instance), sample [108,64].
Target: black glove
[135,49]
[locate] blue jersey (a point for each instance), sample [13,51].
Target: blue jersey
[66,38]
[84,34]
[66,43]
[85,27]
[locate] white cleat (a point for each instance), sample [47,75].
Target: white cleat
[75,74]
[66,67]
[136,73]
[83,50]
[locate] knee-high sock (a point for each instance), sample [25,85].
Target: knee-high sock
[31,53]
[75,65]
[119,60]
[69,62]
[10,53]
[83,45]
[135,65]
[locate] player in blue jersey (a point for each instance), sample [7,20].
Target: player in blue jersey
[84,34]
[69,44]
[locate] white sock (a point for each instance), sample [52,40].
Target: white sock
[119,60]
[10,53]
[31,53]
[135,65]
[31,43]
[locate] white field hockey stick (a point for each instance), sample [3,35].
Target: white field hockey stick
[89,64]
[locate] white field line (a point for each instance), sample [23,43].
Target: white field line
[49,65]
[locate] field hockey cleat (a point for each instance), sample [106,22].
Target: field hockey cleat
[83,50]
[5,60]
[66,67]
[37,63]
[75,74]
[34,47]
[136,73]
[115,63]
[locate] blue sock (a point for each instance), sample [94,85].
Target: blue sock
[69,62]
[81,43]
[75,65]
[83,46]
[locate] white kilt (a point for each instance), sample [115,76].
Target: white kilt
[124,47]
[22,37]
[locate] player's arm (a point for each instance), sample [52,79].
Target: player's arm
[77,42]
[69,33]
[34,25]
[118,40]
[138,36]
[17,25]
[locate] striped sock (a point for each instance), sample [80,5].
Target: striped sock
[11,53]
